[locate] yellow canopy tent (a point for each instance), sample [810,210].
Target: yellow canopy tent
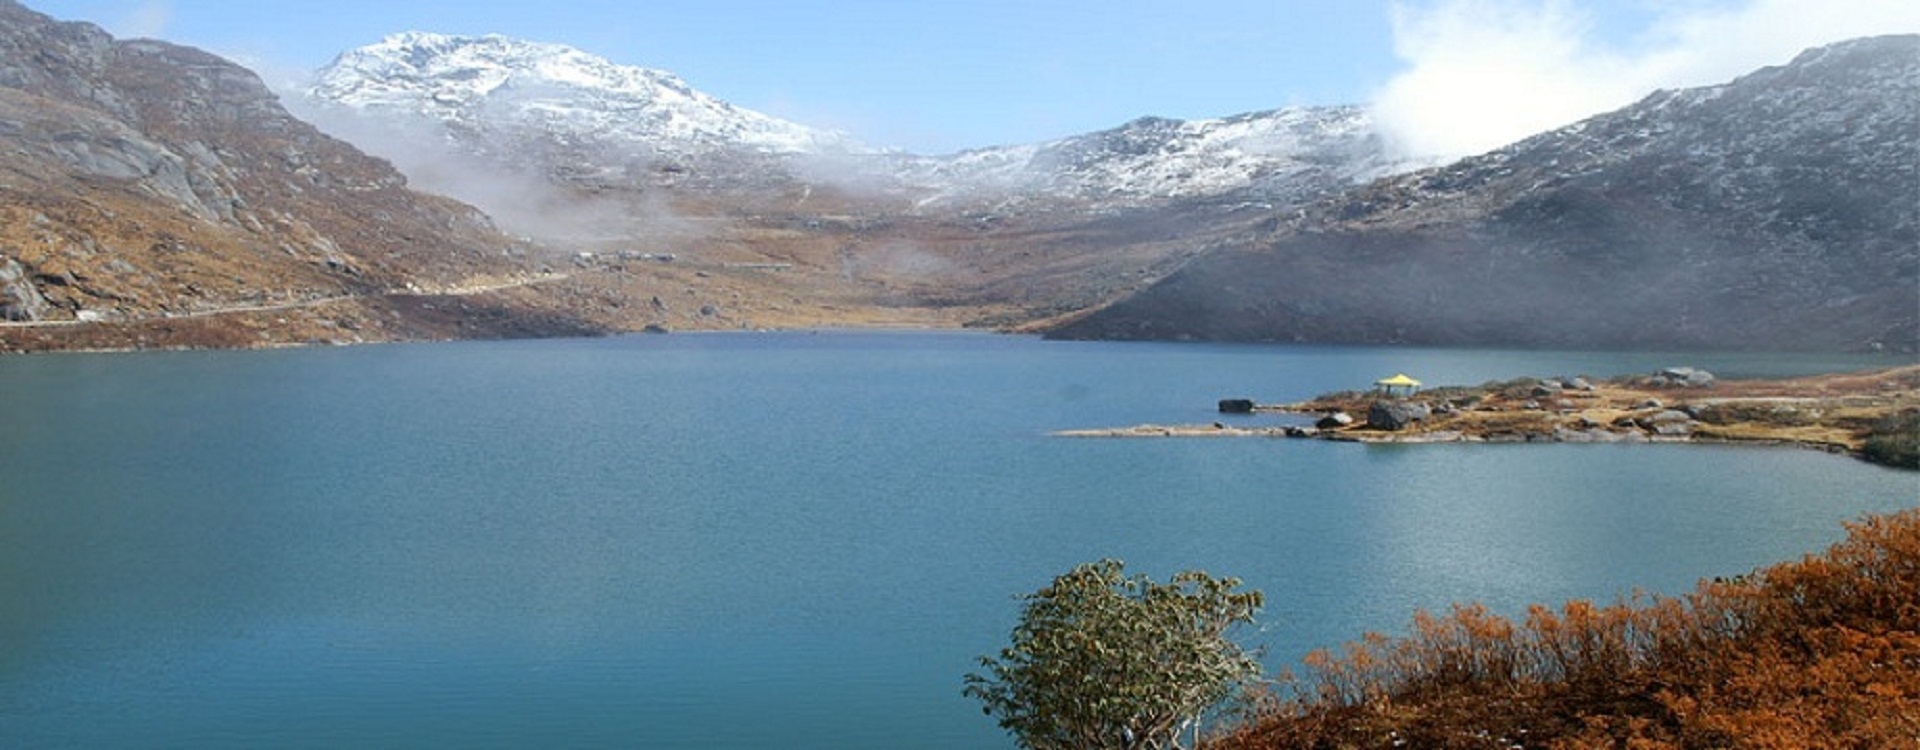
[1388,385]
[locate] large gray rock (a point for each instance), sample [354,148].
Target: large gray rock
[1671,423]
[1334,421]
[1394,416]
[20,300]
[1683,377]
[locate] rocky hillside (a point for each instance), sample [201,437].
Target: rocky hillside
[1778,211]
[155,195]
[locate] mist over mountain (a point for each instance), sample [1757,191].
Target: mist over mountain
[1778,211]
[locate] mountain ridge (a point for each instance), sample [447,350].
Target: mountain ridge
[1769,212]
[458,83]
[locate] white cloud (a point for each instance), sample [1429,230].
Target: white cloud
[145,21]
[1484,73]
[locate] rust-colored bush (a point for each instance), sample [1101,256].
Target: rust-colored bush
[1822,652]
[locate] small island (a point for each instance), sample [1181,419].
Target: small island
[1874,414]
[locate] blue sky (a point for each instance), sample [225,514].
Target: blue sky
[935,76]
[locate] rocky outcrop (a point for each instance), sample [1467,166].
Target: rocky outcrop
[19,300]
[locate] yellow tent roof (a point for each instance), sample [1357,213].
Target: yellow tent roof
[1398,380]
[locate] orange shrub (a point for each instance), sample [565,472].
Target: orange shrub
[1823,652]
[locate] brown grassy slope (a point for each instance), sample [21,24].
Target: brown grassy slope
[1823,652]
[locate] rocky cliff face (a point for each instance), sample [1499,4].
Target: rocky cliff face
[1779,211]
[142,181]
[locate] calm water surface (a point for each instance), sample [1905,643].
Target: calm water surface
[760,540]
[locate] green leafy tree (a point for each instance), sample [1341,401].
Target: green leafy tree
[1101,659]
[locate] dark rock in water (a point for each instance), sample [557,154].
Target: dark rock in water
[1334,421]
[1394,416]
[654,328]
[1236,406]
[1296,431]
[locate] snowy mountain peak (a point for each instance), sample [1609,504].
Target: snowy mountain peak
[579,117]
[499,84]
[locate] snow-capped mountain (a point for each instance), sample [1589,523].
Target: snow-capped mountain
[1281,154]
[505,90]
[1778,211]
[572,115]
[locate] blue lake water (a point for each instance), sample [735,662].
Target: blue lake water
[762,540]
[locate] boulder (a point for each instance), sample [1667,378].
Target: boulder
[1334,421]
[1672,423]
[1684,377]
[1236,406]
[19,299]
[1394,416]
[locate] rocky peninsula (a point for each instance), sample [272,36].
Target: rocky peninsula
[1874,414]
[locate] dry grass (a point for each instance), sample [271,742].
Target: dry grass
[1822,652]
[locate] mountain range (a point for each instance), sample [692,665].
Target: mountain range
[1778,211]
[159,196]
[581,119]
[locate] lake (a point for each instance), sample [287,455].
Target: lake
[763,540]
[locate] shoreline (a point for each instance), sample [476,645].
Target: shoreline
[1839,413]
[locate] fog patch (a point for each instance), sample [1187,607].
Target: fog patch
[895,259]
[1480,74]
[521,200]
[869,175]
